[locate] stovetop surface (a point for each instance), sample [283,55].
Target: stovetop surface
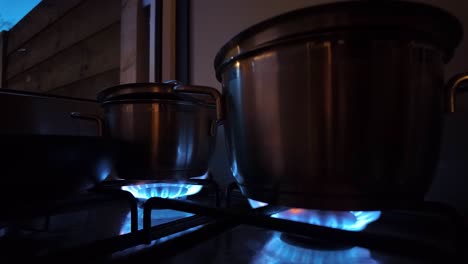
[101,232]
[247,244]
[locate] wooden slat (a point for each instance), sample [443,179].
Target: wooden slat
[182,41]
[168,40]
[97,54]
[133,40]
[81,22]
[3,40]
[44,14]
[88,88]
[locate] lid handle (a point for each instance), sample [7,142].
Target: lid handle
[173,82]
[204,90]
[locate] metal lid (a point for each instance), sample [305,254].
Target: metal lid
[417,19]
[138,91]
[155,91]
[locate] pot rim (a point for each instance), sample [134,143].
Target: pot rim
[157,101]
[418,19]
[131,89]
[151,90]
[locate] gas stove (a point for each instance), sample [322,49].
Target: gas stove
[176,222]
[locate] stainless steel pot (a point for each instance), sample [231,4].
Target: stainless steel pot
[164,132]
[338,106]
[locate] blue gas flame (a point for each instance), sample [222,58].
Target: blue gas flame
[277,251]
[163,190]
[345,220]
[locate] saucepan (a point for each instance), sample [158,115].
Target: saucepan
[165,131]
[339,106]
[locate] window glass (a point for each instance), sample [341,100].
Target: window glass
[12,11]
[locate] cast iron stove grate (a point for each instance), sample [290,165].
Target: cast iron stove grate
[210,221]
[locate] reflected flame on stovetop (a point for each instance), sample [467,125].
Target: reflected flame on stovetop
[278,251]
[163,190]
[345,220]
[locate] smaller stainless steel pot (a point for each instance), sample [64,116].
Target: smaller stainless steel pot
[166,130]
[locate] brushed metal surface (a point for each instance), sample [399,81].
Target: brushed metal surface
[162,139]
[339,123]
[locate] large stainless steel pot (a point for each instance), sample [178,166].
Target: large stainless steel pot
[338,106]
[164,132]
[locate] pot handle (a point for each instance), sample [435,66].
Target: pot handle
[91,117]
[173,82]
[204,90]
[451,88]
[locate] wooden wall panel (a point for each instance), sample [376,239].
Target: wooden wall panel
[3,43]
[88,88]
[97,54]
[134,41]
[168,40]
[78,24]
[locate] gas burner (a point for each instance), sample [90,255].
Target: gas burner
[345,220]
[143,190]
[164,189]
